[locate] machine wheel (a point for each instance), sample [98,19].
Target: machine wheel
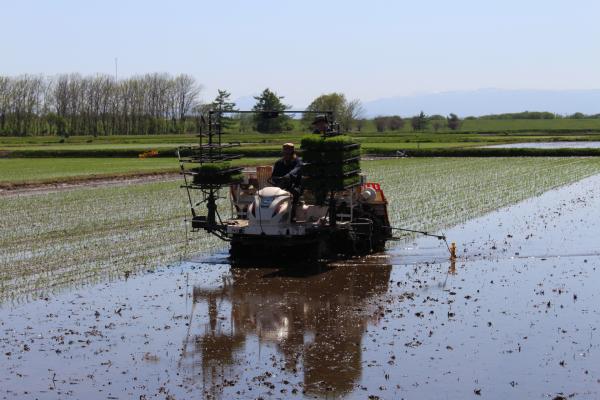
[376,237]
[239,252]
[318,250]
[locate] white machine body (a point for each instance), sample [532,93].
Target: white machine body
[271,206]
[265,210]
[269,213]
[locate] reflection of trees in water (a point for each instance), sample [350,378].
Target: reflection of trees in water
[316,321]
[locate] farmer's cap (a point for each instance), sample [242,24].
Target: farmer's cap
[288,146]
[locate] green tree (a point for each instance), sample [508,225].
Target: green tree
[577,115]
[222,103]
[344,112]
[267,118]
[245,122]
[59,124]
[453,121]
[419,122]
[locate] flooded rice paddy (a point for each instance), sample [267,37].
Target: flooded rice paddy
[515,316]
[54,241]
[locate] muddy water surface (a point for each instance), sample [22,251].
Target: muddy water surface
[516,316]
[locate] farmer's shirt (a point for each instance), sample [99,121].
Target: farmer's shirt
[293,169]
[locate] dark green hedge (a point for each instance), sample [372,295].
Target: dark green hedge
[317,143]
[488,152]
[308,156]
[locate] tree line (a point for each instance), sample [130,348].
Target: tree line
[71,104]
[536,115]
[418,123]
[159,103]
[269,117]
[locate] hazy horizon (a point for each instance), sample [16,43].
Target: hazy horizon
[476,102]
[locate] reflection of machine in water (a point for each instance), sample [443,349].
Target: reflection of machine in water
[314,323]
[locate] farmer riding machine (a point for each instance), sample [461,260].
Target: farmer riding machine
[335,212]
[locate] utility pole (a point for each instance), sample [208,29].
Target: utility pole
[116,68]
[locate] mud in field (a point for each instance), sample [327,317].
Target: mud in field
[515,316]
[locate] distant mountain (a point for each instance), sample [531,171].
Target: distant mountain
[488,101]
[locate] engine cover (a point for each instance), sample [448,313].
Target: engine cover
[271,206]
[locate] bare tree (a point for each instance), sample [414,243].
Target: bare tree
[359,124]
[353,111]
[395,123]
[4,101]
[70,104]
[380,123]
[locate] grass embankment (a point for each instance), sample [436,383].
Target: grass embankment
[513,125]
[483,125]
[508,125]
[67,238]
[366,136]
[413,149]
[484,152]
[19,172]
[268,145]
[15,172]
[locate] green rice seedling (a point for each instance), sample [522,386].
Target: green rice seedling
[331,164]
[317,143]
[434,193]
[56,239]
[213,168]
[330,169]
[216,173]
[331,183]
[327,157]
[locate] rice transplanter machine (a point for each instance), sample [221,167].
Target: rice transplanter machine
[336,213]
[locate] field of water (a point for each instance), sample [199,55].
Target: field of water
[89,314]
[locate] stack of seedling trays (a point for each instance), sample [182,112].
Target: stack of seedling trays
[216,173]
[331,164]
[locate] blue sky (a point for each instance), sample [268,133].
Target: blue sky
[365,49]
